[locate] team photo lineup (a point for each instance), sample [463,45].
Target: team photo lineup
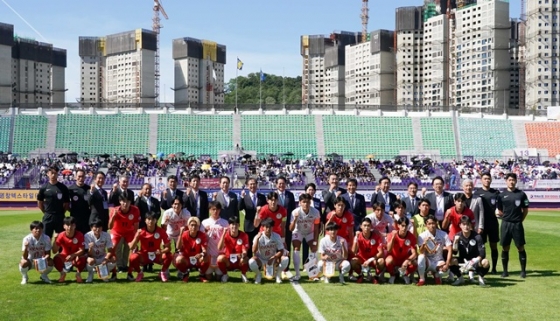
[423,237]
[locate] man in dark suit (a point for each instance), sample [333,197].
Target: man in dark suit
[228,199]
[251,203]
[440,200]
[355,203]
[195,200]
[287,200]
[411,201]
[99,201]
[330,194]
[147,203]
[120,188]
[384,196]
[170,192]
[79,199]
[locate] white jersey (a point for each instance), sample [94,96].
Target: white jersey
[174,222]
[101,244]
[36,248]
[268,247]
[305,223]
[333,249]
[215,231]
[410,226]
[383,225]
[441,239]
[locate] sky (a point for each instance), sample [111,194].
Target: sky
[264,34]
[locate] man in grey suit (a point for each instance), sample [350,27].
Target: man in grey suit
[228,199]
[475,204]
[329,195]
[411,200]
[440,200]
[251,203]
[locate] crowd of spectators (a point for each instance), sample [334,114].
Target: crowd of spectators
[267,169]
[359,170]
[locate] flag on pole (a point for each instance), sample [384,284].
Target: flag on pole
[263,77]
[239,64]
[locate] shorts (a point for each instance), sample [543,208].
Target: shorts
[296,236]
[432,264]
[511,230]
[491,233]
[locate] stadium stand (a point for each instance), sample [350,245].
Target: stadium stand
[485,137]
[277,134]
[30,133]
[437,134]
[356,137]
[97,134]
[542,135]
[5,128]
[195,134]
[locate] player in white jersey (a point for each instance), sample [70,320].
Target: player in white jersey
[174,219]
[99,247]
[36,248]
[381,222]
[432,243]
[268,251]
[214,227]
[401,211]
[304,225]
[333,250]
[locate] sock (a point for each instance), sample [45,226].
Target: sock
[48,270]
[297,262]
[254,266]
[222,267]
[523,260]
[505,260]
[23,271]
[494,258]
[284,262]
[422,266]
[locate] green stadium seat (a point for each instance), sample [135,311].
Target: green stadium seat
[437,134]
[5,127]
[30,133]
[485,137]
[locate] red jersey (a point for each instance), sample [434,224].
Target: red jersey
[123,224]
[346,223]
[151,241]
[401,246]
[236,245]
[193,245]
[278,217]
[70,245]
[455,219]
[368,248]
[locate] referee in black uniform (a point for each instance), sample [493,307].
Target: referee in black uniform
[491,232]
[53,199]
[513,206]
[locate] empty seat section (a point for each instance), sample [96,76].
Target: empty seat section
[5,125]
[195,134]
[437,134]
[276,134]
[543,135]
[357,137]
[30,133]
[485,137]
[98,134]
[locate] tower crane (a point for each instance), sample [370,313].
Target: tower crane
[156,26]
[365,18]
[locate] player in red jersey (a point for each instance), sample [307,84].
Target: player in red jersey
[70,243]
[344,219]
[192,247]
[151,239]
[401,249]
[276,212]
[123,222]
[453,215]
[235,243]
[368,252]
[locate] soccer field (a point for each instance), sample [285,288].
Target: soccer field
[512,298]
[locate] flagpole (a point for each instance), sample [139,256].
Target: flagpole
[283,86]
[260,90]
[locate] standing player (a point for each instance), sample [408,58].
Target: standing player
[275,212]
[36,246]
[470,248]
[151,239]
[235,243]
[419,220]
[123,223]
[305,225]
[268,250]
[79,198]
[368,252]
[513,207]
[491,231]
[381,222]
[333,249]
[214,226]
[53,199]
[343,219]
[400,212]
[401,251]
[453,215]
[432,243]
[72,250]
[174,219]
[192,250]
[100,250]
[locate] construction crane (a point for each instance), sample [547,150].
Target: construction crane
[156,26]
[365,18]
[523,11]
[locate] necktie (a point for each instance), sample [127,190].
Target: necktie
[387,198]
[196,200]
[352,201]
[226,198]
[172,194]
[148,202]
[413,202]
[282,199]
[254,200]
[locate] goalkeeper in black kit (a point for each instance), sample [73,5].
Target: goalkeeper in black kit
[471,259]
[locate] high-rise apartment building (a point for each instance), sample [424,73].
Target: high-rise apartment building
[6,44]
[199,71]
[435,61]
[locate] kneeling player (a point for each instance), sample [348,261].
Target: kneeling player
[192,247]
[368,252]
[72,252]
[401,251]
[470,247]
[235,243]
[100,251]
[151,239]
[334,251]
[304,225]
[432,243]
[36,253]
[268,251]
